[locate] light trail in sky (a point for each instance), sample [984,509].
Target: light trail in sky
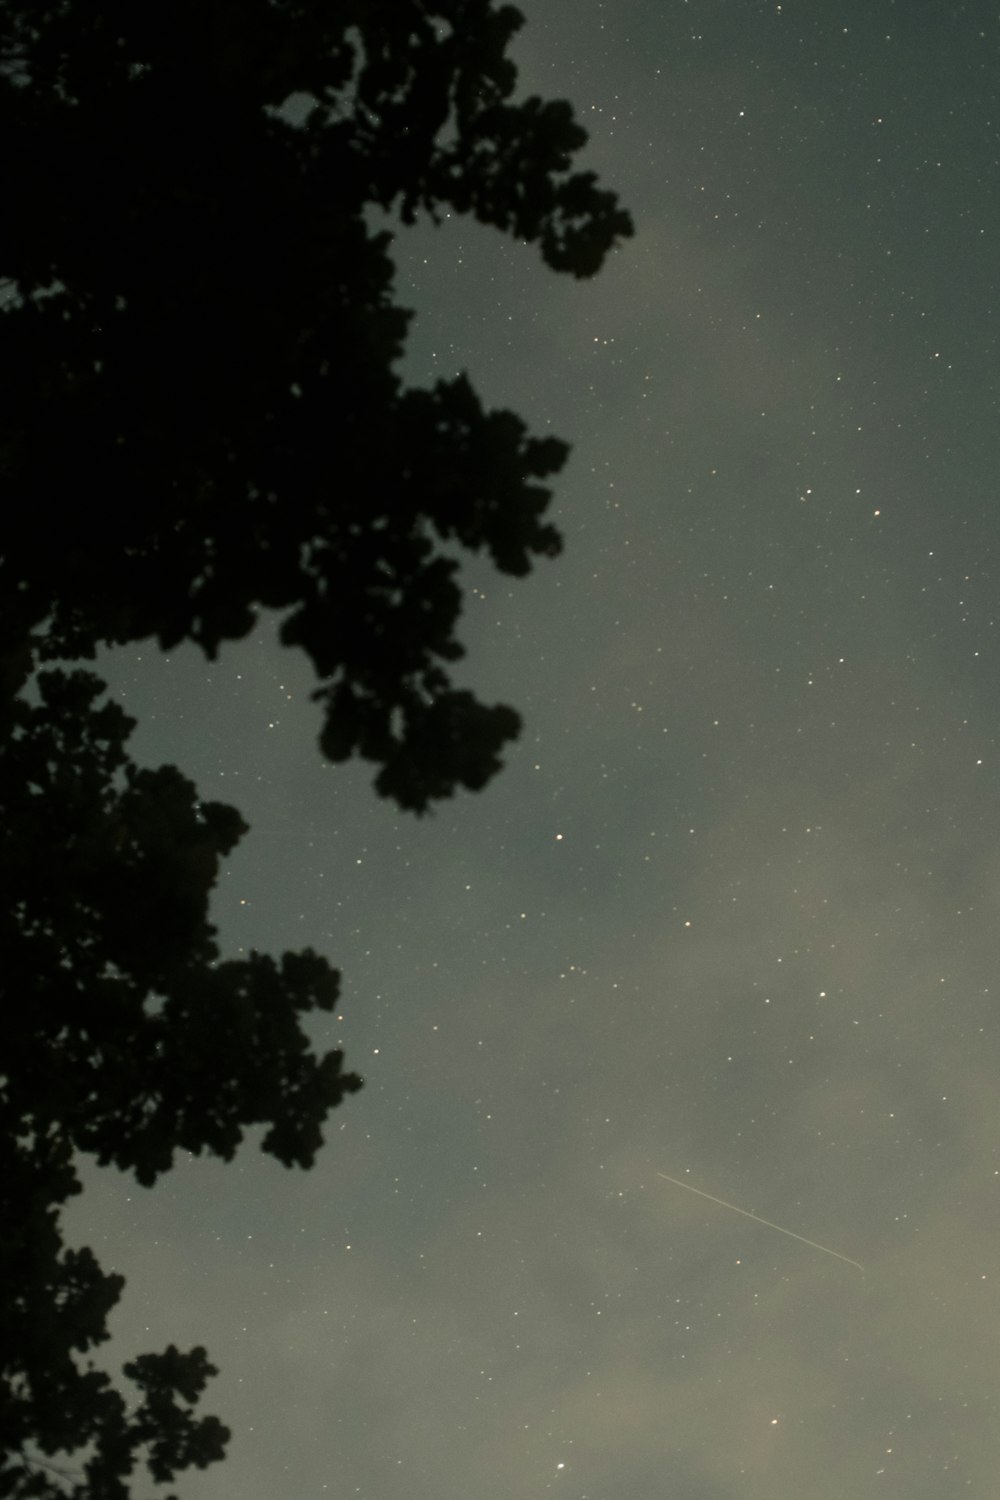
[757,1219]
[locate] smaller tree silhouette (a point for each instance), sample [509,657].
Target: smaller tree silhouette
[122,1036]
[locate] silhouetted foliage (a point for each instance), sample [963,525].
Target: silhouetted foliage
[130,1038]
[123,1036]
[200,418]
[198,411]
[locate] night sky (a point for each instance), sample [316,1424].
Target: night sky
[731,912]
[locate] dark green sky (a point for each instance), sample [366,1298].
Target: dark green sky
[730,912]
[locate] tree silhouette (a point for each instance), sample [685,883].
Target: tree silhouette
[123,1036]
[204,321]
[200,418]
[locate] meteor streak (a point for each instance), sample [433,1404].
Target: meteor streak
[757,1219]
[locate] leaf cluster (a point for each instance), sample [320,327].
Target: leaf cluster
[202,312]
[122,1036]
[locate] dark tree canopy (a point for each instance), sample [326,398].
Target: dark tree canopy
[205,319]
[200,418]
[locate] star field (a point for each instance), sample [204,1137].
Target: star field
[729,913]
